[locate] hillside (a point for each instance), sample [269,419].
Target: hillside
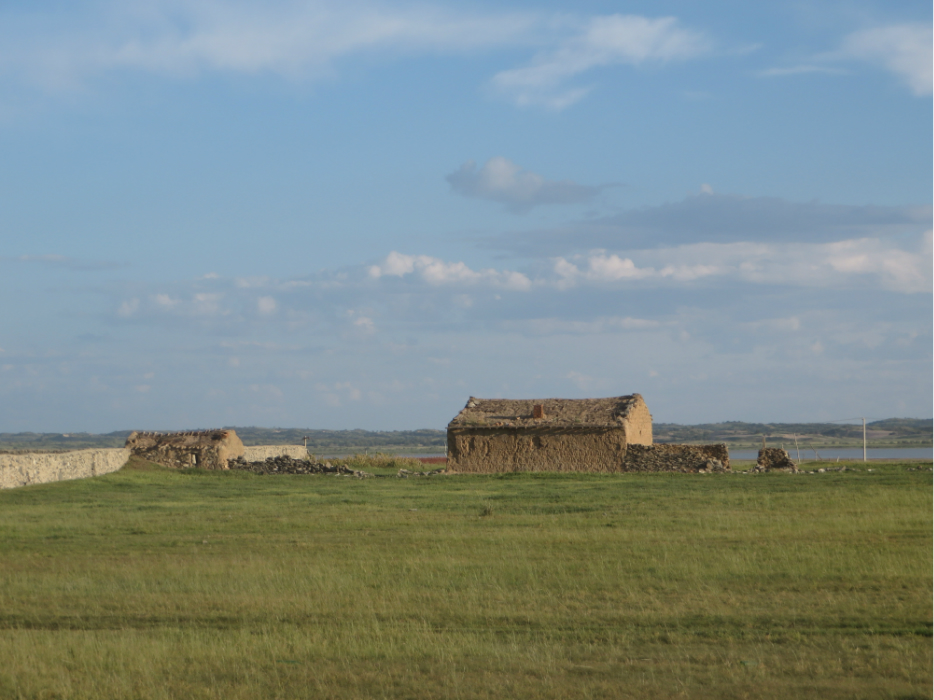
[891,432]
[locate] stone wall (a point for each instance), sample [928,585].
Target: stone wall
[676,458]
[44,467]
[260,453]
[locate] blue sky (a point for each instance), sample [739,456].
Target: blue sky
[358,214]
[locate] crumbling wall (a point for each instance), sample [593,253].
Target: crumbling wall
[638,424]
[676,458]
[260,453]
[774,458]
[44,467]
[490,450]
[205,449]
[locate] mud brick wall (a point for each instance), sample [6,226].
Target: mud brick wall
[44,467]
[491,450]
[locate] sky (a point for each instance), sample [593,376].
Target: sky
[356,214]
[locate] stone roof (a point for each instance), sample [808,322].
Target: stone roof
[557,412]
[189,438]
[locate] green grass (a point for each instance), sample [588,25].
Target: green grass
[151,583]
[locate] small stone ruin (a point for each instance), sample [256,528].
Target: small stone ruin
[774,459]
[204,449]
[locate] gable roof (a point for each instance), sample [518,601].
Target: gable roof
[558,412]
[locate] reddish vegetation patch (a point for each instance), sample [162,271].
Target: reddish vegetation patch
[433,460]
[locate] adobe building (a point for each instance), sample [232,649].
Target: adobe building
[206,449]
[505,435]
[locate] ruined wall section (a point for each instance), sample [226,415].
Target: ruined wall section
[45,467]
[638,424]
[207,449]
[491,450]
[774,458]
[260,453]
[676,458]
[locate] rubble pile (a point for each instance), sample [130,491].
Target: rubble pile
[405,473]
[283,464]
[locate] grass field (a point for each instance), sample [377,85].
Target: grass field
[151,583]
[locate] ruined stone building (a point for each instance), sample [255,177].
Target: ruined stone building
[207,449]
[497,435]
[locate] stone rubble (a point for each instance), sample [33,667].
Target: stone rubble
[405,473]
[283,464]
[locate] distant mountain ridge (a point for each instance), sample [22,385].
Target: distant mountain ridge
[891,432]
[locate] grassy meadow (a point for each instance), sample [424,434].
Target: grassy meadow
[152,583]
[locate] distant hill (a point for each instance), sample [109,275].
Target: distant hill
[891,432]
[322,440]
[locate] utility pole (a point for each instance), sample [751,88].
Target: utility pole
[864,439]
[796,447]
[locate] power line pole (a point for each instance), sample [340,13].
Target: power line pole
[864,439]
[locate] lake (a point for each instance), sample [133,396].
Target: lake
[832,453]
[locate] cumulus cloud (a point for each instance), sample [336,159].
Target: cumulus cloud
[904,49]
[437,272]
[601,41]
[843,263]
[501,180]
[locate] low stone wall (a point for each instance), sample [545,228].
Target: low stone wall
[676,458]
[260,453]
[44,467]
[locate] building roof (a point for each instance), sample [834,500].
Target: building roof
[557,412]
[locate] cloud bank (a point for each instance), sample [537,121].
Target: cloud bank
[501,180]
[719,218]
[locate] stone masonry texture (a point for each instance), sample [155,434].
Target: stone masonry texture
[44,467]
[260,453]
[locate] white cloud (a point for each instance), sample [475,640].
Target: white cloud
[602,41]
[128,308]
[904,49]
[266,306]
[806,265]
[611,268]
[365,324]
[501,180]
[437,272]
[298,40]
